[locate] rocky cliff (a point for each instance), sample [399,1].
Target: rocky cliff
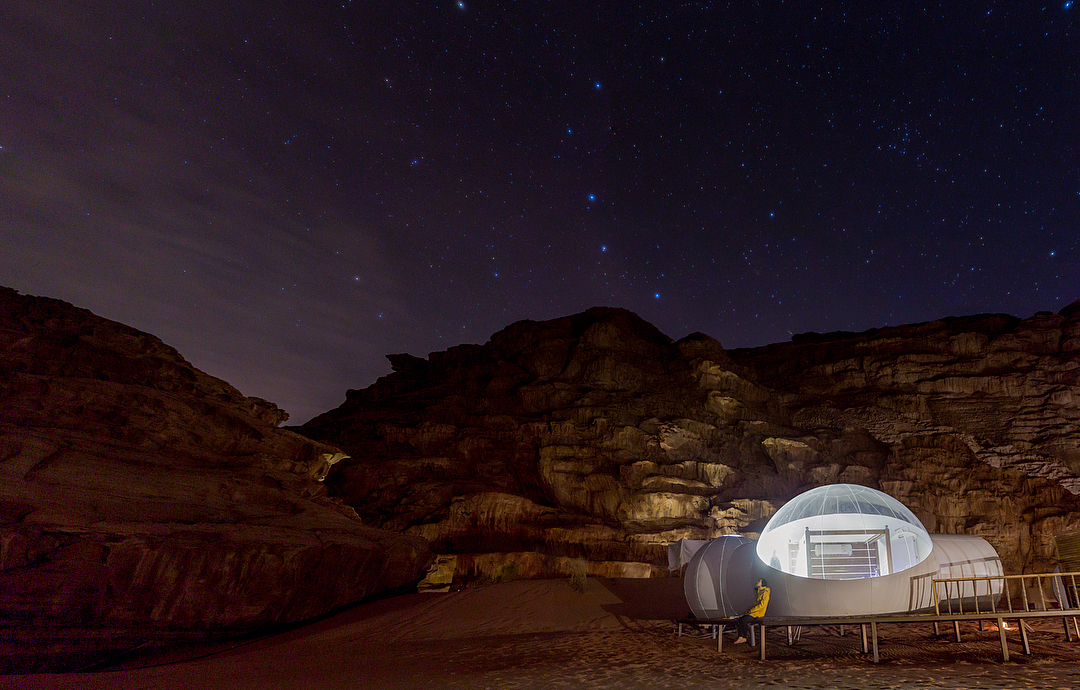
[142,500]
[597,437]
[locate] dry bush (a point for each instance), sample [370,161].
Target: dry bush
[579,574]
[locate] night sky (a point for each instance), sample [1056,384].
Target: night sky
[286,192]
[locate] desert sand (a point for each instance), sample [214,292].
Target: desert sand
[543,634]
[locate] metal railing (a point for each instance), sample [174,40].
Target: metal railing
[1064,590]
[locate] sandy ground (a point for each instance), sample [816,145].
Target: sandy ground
[542,634]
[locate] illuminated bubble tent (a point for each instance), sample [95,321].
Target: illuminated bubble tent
[841,550]
[843,532]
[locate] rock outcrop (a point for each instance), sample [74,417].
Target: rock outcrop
[987,406]
[142,500]
[597,437]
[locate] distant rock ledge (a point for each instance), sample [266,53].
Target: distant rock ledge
[142,500]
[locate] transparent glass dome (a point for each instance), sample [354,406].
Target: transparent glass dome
[843,532]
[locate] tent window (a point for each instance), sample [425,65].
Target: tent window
[847,554]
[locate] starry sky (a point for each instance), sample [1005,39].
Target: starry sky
[288,191]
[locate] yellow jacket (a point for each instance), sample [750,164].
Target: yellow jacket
[761,604]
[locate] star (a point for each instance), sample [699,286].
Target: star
[362,219]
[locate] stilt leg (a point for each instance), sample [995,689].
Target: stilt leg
[763,642]
[865,649]
[1004,643]
[956,629]
[873,636]
[1024,636]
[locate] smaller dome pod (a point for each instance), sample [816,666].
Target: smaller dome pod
[843,532]
[717,583]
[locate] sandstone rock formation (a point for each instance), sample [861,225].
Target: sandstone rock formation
[143,500]
[595,436]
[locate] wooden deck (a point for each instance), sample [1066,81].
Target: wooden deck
[793,624]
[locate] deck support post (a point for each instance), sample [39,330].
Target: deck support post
[873,635]
[1004,642]
[865,649]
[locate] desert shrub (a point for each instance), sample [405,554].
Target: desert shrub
[505,572]
[579,574]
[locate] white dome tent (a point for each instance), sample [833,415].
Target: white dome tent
[837,550]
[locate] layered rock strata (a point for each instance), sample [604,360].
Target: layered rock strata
[142,500]
[595,436]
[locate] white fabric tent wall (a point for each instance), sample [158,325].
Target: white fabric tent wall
[793,595]
[680,553]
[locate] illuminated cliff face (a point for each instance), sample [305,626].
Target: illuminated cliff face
[843,532]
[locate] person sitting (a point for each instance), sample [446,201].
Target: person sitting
[755,613]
